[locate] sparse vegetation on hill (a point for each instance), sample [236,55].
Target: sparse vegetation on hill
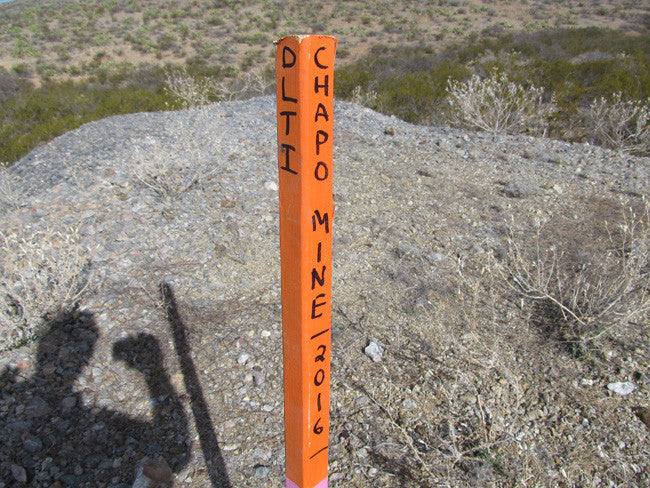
[396,58]
[574,66]
[506,280]
[71,38]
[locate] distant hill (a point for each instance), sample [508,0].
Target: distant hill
[72,39]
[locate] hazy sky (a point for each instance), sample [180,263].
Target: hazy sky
[3,1]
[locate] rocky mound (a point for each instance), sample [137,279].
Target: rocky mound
[176,349]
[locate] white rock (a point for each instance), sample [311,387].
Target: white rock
[374,351]
[271,186]
[408,403]
[622,388]
[243,358]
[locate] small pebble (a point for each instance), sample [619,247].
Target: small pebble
[261,471]
[622,388]
[271,186]
[19,473]
[374,351]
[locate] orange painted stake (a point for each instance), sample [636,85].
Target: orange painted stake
[305,85]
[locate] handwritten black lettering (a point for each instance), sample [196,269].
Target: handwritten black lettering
[321,111]
[321,66]
[315,305]
[321,173]
[318,256]
[320,333]
[324,85]
[285,98]
[321,138]
[319,377]
[287,166]
[321,356]
[318,452]
[316,278]
[318,430]
[288,64]
[321,220]
[287,114]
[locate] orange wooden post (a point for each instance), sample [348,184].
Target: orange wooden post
[305,84]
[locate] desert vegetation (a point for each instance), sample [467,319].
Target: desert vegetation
[585,292]
[43,274]
[579,71]
[572,286]
[67,63]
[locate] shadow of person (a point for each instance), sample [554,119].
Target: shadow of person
[48,437]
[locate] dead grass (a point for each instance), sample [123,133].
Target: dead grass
[42,275]
[479,388]
[171,168]
[583,290]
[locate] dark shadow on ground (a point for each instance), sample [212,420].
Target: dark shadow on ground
[207,437]
[48,437]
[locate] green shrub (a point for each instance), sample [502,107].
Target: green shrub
[34,116]
[573,65]
[38,116]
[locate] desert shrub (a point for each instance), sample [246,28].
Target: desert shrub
[173,167]
[39,115]
[620,124]
[9,188]
[367,98]
[586,293]
[191,91]
[32,116]
[42,275]
[250,84]
[10,85]
[403,88]
[574,65]
[497,105]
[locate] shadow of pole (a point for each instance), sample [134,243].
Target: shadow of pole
[208,439]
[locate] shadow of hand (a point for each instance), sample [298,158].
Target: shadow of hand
[140,352]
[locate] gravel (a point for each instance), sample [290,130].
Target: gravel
[201,385]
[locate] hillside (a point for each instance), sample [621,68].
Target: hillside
[481,383]
[64,39]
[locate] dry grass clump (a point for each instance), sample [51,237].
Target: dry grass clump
[42,275]
[189,90]
[367,98]
[582,292]
[620,124]
[10,194]
[497,105]
[474,388]
[171,168]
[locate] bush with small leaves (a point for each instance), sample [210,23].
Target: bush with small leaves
[171,168]
[589,297]
[620,124]
[497,105]
[42,275]
[189,90]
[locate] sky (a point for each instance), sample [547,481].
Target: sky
[3,1]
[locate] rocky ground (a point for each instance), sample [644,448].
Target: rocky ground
[175,349]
